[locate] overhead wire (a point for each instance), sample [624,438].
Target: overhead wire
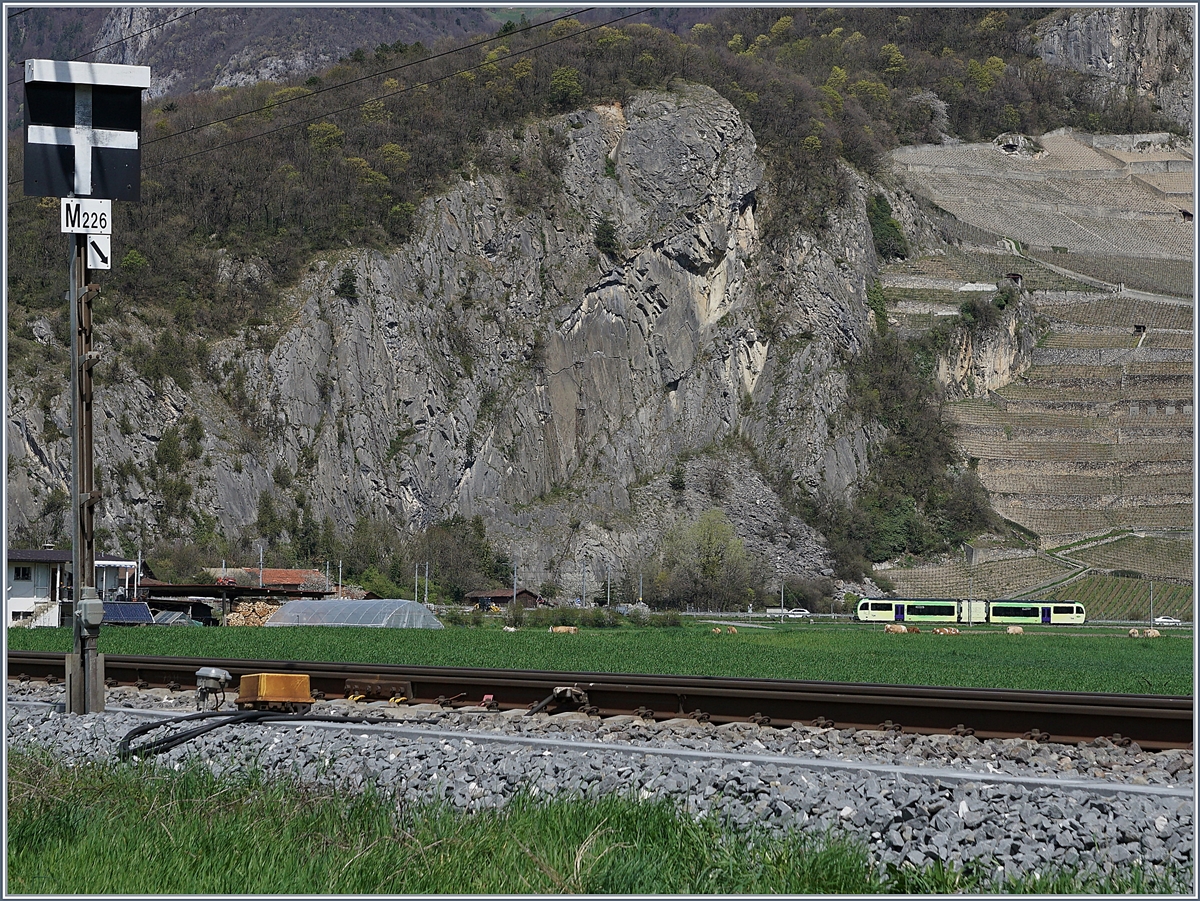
[130,37]
[405,90]
[343,84]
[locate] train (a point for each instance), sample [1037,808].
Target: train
[960,610]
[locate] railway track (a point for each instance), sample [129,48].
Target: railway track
[1152,721]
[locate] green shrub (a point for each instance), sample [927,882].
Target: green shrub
[600,618]
[593,618]
[978,313]
[888,236]
[347,286]
[877,301]
[666,619]
[814,594]
[606,237]
[564,616]
[677,481]
[884,583]
[515,614]
[539,617]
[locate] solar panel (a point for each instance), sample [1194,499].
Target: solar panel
[126,613]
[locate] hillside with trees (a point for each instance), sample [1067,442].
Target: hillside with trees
[245,188]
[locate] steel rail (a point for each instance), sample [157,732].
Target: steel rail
[1153,721]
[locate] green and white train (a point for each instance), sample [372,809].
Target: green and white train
[959,610]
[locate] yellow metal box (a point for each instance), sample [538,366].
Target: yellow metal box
[273,689]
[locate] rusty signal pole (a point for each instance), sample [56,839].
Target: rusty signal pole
[85,673]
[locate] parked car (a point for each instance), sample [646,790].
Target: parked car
[1167,621]
[798,613]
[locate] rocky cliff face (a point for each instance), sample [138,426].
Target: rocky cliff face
[500,364]
[977,362]
[1148,49]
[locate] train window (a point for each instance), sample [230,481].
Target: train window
[876,605]
[1068,609]
[1015,611]
[1079,609]
[930,609]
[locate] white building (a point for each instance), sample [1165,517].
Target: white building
[38,583]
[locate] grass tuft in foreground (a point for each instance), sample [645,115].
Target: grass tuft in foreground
[160,831]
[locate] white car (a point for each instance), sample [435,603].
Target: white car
[798,613]
[1167,621]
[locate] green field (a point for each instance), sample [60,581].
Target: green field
[1049,658]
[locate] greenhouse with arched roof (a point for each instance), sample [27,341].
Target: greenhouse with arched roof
[376,613]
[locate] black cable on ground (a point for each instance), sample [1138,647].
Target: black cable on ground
[124,751]
[231,718]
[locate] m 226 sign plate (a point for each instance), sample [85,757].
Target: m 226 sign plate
[86,217]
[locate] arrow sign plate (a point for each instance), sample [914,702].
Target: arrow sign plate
[99,251]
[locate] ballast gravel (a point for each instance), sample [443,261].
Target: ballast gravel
[1017,806]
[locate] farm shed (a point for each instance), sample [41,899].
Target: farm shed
[385,613]
[486,596]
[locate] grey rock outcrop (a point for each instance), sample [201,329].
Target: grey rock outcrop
[500,364]
[1148,49]
[977,362]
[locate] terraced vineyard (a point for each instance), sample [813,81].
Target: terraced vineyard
[921,290]
[1113,598]
[1097,520]
[1095,435]
[996,579]
[1172,277]
[1151,557]
[1125,313]
[1088,339]
[1072,207]
[956,265]
[1168,339]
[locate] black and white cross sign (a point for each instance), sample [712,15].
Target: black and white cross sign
[82,128]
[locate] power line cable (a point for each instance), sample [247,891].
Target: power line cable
[344,84]
[140,33]
[406,90]
[434,81]
[16,81]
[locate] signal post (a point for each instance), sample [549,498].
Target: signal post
[82,136]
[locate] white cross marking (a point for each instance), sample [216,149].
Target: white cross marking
[83,138]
